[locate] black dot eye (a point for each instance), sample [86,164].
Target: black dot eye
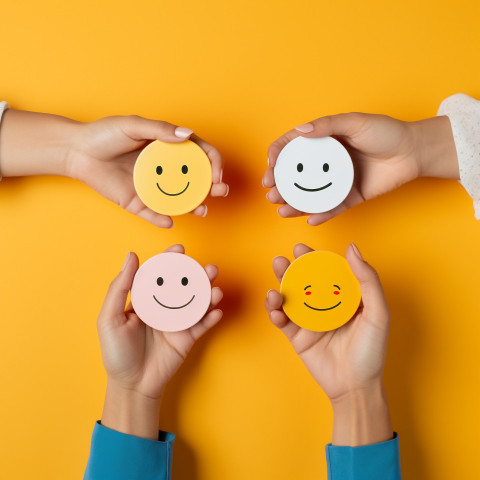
[326,167]
[300,167]
[159,170]
[184,169]
[159,281]
[184,281]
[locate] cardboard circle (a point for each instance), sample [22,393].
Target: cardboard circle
[314,175]
[172,178]
[320,291]
[171,304]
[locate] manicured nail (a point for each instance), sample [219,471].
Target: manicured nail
[182,132]
[305,128]
[357,251]
[125,262]
[205,212]
[228,189]
[268,161]
[221,175]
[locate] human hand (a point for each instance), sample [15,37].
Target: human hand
[347,362]
[139,360]
[386,154]
[101,154]
[104,152]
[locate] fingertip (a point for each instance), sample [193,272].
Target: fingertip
[301,249]
[177,248]
[305,128]
[278,318]
[183,133]
[130,263]
[212,272]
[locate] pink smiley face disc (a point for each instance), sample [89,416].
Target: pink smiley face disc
[171,292]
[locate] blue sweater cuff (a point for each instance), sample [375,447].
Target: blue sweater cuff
[380,461]
[117,456]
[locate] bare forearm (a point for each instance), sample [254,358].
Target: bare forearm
[437,154]
[35,143]
[362,418]
[130,412]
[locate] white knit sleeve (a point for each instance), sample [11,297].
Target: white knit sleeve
[464,114]
[3,107]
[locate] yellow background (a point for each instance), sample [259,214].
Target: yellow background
[239,74]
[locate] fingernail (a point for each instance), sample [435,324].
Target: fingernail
[125,262]
[357,251]
[305,128]
[263,184]
[228,189]
[182,132]
[268,293]
[268,161]
[221,175]
[205,212]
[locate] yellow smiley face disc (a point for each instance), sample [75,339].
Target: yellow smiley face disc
[172,178]
[320,291]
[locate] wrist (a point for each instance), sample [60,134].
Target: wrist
[35,143]
[131,412]
[361,417]
[435,146]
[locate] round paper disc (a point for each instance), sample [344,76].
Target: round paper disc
[320,291]
[172,178]
[171,292]
[314,175]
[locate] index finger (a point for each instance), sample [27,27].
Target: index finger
[214,156]
[279,144]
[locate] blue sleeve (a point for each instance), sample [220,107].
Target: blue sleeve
[117,456]
[380,461]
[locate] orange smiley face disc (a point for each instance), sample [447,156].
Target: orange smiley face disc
[320,291]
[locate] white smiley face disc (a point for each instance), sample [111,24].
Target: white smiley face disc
[314,175]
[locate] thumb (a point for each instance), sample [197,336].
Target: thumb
[116,298]
[343,124]
[373,298]
[140,128]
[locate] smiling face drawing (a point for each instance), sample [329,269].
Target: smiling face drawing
[320,291]
[171,292]
[314,175]
[172,178]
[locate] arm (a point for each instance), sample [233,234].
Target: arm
[139,362]
[386,153]
[348,365]
[41,144]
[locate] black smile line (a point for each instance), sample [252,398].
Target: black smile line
[321,309]
[173,194]
[312,189]
[173,308]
